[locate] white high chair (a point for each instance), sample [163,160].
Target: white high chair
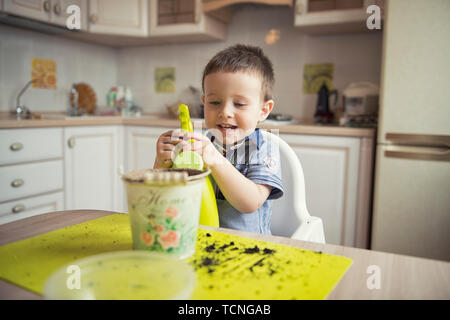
[290,216]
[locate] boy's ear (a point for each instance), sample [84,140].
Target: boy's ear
[203,99]
[266,109]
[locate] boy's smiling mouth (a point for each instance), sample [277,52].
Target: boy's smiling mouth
[226,127]
[227,130]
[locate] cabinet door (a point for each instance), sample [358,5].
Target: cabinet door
[59,12]
[24,208]
[34,9]
[141,146]
[330,166]
[92,159]
[177,11]
[185,18]
[118,17]
[333,16]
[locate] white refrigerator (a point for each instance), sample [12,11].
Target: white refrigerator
[411,211]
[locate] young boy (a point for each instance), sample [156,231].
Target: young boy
[237,94]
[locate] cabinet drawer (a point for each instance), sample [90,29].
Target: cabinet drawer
[26,180]
[24,208]
[22,145]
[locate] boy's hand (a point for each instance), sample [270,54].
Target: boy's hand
[204,147]
[166,148]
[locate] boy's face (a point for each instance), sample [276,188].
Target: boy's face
[233,104]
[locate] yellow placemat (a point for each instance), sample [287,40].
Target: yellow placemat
[227,266]
[29,262]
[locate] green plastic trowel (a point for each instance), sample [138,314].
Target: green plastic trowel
[209,215]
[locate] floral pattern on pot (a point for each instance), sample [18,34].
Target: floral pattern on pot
[147,238]
[167,233]
[164,219]
[169,239]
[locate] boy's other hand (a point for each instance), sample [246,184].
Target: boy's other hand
[204,147]
[166,148]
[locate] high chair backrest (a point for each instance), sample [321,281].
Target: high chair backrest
[290,216]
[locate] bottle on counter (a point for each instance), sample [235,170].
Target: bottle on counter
[111,97]
[130,110]
[120,99]
[128,98]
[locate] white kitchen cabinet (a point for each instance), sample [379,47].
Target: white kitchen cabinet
[34,9]
[50,11]
[333,16]
[28,207]
[141,146]
[118,17]
[31,172]
[338,179]
[92,158]
[180,19]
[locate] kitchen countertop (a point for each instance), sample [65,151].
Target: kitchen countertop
[401,277]
[156,120]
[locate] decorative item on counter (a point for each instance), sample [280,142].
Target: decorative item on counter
[209,215]
[360,104]
[87,100]
[323,115]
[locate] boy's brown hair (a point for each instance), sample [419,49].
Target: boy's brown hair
[243,58]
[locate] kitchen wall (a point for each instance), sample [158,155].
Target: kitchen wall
[75,62]
[356,57]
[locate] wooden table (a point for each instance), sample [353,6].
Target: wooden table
[401,277]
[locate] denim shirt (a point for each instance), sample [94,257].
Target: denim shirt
[258,160]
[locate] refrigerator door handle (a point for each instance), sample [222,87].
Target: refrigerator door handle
[417,153]
[425,140]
